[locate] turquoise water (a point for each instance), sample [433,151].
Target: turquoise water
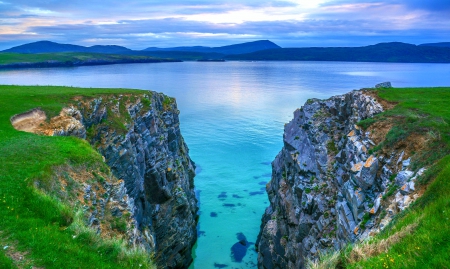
[232,117]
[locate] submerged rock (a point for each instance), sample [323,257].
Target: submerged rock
[239,250]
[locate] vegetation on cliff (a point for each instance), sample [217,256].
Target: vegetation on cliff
[41,226]
[418,237]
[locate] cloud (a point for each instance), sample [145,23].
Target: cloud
[139,24]
[429,5]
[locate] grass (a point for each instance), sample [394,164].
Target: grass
[69,57]
[5,262]
[45,227]
[429,245]
[418,237]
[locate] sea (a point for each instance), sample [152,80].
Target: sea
[232,118]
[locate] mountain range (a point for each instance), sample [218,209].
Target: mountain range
[440,44]
[231,49]
[383,52]
[265,50]
[50,47]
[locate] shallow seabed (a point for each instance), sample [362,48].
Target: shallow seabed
[232,118]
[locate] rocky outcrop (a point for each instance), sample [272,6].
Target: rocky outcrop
[327,188]
[139,137]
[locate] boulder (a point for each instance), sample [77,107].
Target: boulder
[368,173]
[384,85]
[402,177]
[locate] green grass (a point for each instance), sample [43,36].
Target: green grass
[39,224]
[429,245]
[424,111]
[5,262]
[421,111]
[10,58]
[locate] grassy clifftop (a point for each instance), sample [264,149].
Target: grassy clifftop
[44,229]
[418,237]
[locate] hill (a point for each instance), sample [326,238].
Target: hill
[440,44]
[49,47]
[247,47]
[383,52]
[179,55]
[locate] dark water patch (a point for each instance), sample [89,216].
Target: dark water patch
[245,190]
[213,214]
[237,196]
[263,188]
[198,169]
[222,196]
[228,205]
[201,233]
[253,193]
[239,249]
[263,183]
[197,194]
[220,265]
[256,177]
[266,163]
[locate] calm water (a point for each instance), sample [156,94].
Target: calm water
[232,117]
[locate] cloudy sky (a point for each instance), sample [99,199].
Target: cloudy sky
[138,24]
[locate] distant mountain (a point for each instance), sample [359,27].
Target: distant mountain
[383,52]
[231,49]
[440,44]
[111,49]
[179,55]
[51,47]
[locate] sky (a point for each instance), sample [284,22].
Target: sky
[138,24]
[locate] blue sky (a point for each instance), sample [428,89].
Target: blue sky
[290,23]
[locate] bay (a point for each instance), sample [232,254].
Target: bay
[232,118]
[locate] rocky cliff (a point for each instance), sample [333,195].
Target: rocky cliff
[139,137]
[327,185]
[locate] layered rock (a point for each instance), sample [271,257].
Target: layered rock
[140,140]
[326,188]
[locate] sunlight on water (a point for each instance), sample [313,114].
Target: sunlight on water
[232,117]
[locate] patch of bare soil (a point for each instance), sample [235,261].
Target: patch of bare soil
[35,121]
[413,144]
[29,121]
[378,130]
[385,104]
[19,258]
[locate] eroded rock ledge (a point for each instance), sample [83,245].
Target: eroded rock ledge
[140,140]
[326,188]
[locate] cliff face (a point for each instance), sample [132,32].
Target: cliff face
[140,140]
[327,187]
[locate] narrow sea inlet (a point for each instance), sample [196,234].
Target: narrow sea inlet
[232,117]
